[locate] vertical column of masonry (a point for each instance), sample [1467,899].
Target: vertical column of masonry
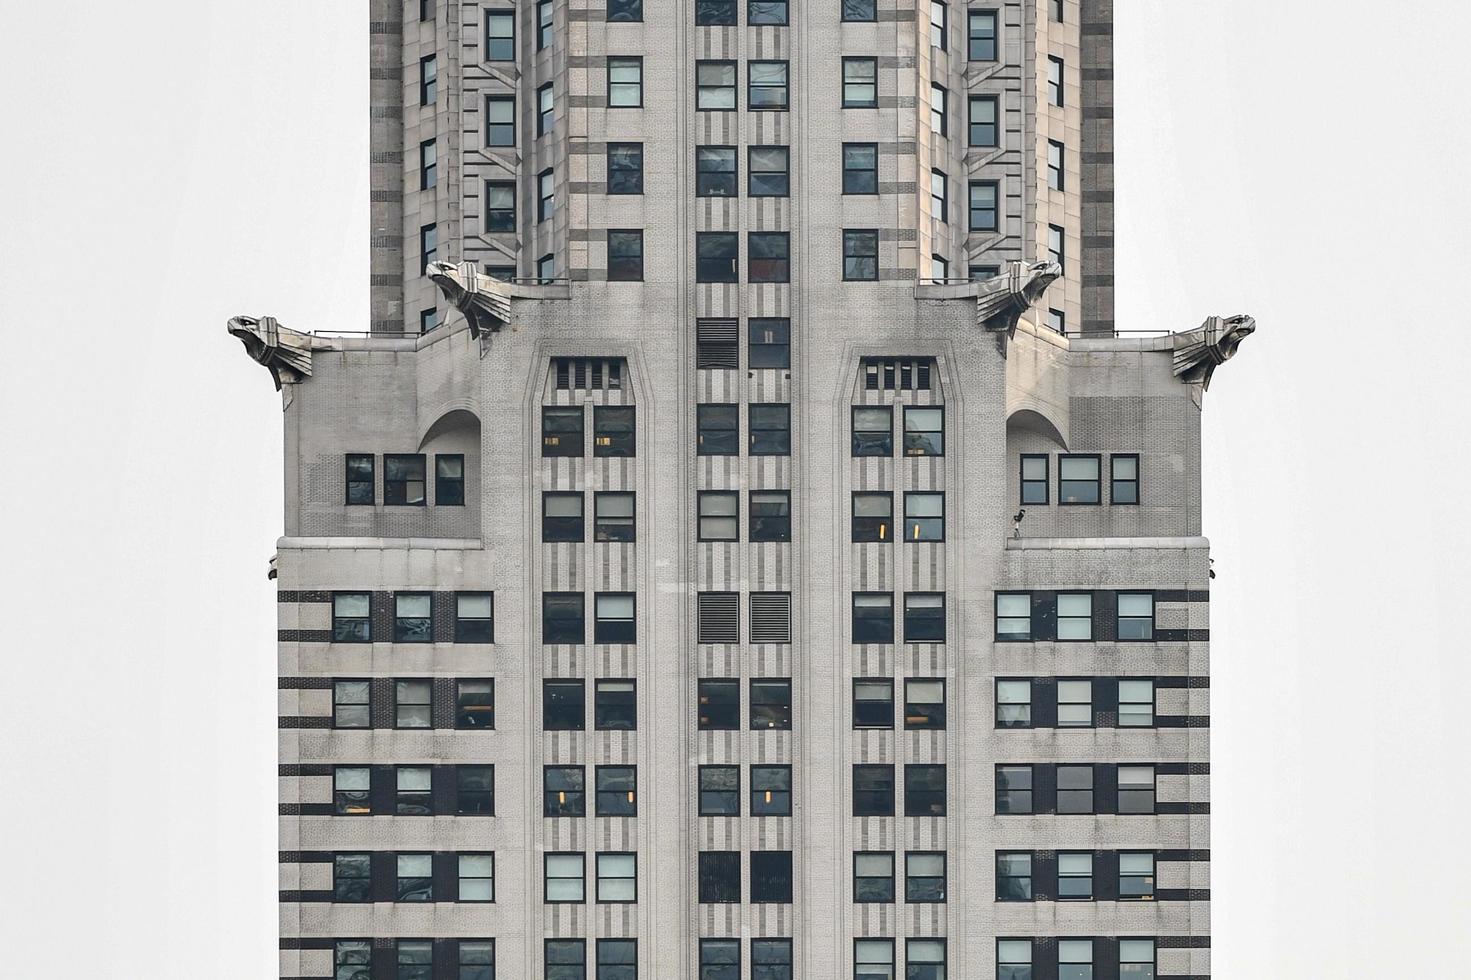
[543,103]
[1056,157]
[990,128]
[496,40]
[386,182]
[428,84]
[1097,171]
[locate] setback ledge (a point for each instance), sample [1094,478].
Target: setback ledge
[1050,544]
[380,544]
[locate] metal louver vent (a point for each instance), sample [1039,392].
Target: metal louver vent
[897,373]
[717,344]
[720,617]
[771,617]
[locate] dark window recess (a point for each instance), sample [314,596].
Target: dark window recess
[719,617]
[617,958]
[625,168]
[561,516]
[561,430]
[771,704]
[771,877]
[413,617]
[415,873]
[873,791]
[771,791]
[766,12]
[924,791]
[352,959]
[613,518]
[720,791]
[860,168]
[715,171]
[564,792]
[873,878]
[449,481]
[771,515]
[588,374]
[769,342]
[769,173]
[1013,876]
[625,256]
[860,10]
[924,617]
[924,703]
[562,708]
[716,253]
[720,959]
[873,431]
[614,620]
[898,373]
[566,959]
[769,256]
[352,877]
[1014,790]
[615,706]
[475,703]
[720,704]
[924,878]
[403,480]
[719,429]
[624,11]
[873,515]
[361,483]
[771,959]
[617,791]
[873,703]
[873,617]
[771,617]
[613,430]
[717,345]
[771,430]
[860,255]
[351,622]
[715,13]
[475,790]
[562,618]
[720,876]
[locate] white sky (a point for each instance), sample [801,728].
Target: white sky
[171,164]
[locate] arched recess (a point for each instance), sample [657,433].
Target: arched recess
[1031,425]
[458,422]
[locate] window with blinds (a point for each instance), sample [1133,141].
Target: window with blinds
[771,617]
[588,373]
[717,344]
[897,373]
[719,617]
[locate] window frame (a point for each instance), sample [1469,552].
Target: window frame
[702,89]
[873,81]
[1078,804]
[461,877]
[1146,893]
[1075,876]
[712,181]
[886,897]
[774,440]
[916,523]
[614,528]
[1131,702]
[1150,622]
[876,800]
[867,448]
[611,153]
[1114,482]
[625,807]
[862,528]
[628,267]
[547,879]
[464,794]
[636,86]
[613,710]
[972,36]
[784,89]
[920,625]
[563,531]
[1004,873]
[575,450]
[918,718]
[1063,481]
[399,703]
[352,629]
[775,803]
[772,326]
[977,132]
[717,794]
[775,684]
[565,684]
[1031,699]
[706,270]
[348,461]
[919,772]
[856,701]
[1073,618]
[599,877]
[972,211]
[615,427]
[910,877]
[704,496]
[768,268]
[851,254]
[705,718]
[1003,791]
[390,496]
[776,527]
[1024,483]
[753,174]
[725,863]
[615,629]
[571,799]
[850,187]
[554,628]
[495,128]
[366,704]
[405,629]
[855,632]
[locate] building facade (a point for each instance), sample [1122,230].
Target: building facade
[742,544]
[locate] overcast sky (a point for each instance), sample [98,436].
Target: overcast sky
[170,164]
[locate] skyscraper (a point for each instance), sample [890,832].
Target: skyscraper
[742,544]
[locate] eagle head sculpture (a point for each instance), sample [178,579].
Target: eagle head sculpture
[1001,300]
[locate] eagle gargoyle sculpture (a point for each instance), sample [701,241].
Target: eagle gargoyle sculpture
[485,300]
[1198,352]
[1001,300]
[287,354]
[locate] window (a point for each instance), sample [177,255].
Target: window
[937,110]
[1136,959]
[1136,789]
[769,256]
[1056,6]
[613,518]
[980,273]
[349,955]
[1054,165]
[625,168]
[561,516]
[352,877]
[617,958]
[1075,616]
[1057,321]
[505,273]
[1123,479]
[924,703]
[1075,789]
[413,959]
[771,429]
[350,620]
[769,342]
[1077,480]
[761,12]
[924,617]
[413,618]
[937,24]
[1014,959]
[771,515]
[475,790]
[562,791]
[983,120]
[873,431]
[982,35]
[873,959]
[1013,876]
[720,791]
[500,120]
[428,80]
[771,959]
[938,195]
[500,205]
[624,12]
[614,706]
[563,878]
[617,877]
[1013,616]
[715,171]
[715,13]
[766,85]
[1136,703]
[625,83]
[720,876]
[428,165]
[1075,959]
[873,876]
[562,617]
[860,10]
[350,791]
[715,81]
[1136,875]
[771,704]
[477,960]
[361,484]
[617,791]
[403,480]
[561,430]
[1034,480]
[1013,703]
[720,959]
[872,513]
[546,270]
[924,959]
[983,206]
[1136,616]
[718,515]
[1074,875]
[625,260]
[924,879]
[351,704]
[415,878]
[1056,250]
[860,255]
[477,877]
[719,617]
[939,267]
[546,114]
[860,168]
[566,959]
[873,791]
[873,703]
[720,704]
[924,790]
[544,20]
[860,83]
[613,619]
[475,704]
[1074,704]
[412,704]
[1054,80]
[769,172]
[771,791]
[1013,789]
[924,431]
[562,707]
[924,516]
[771,877]
[873,617]
[716,253]
[500,35]
[546,194]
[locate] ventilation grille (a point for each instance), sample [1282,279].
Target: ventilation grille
[717,344]
[588,373]
[897,373]
[771,617]
[720,617]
